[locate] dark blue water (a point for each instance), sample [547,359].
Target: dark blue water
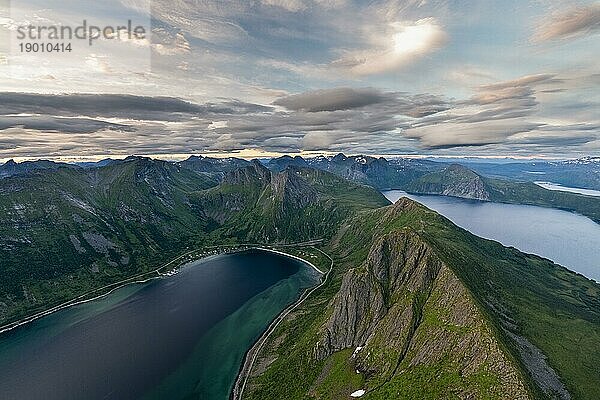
[128,344]
[568,239]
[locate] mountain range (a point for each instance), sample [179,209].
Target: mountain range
[414,306]
[379,172]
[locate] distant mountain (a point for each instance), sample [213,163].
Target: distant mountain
[12,168]
[459,181]
[580,173]
[455,180]
[281,163]
[94,164]
[377,172]
[215,167]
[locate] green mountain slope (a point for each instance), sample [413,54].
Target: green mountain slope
[420,307]
[68,230]
[455,180]
[377,172]
[294,205]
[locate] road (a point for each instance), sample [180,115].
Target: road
[252,354]
[140,278]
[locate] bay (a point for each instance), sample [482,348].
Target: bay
[183,336]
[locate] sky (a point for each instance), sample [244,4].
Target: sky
[267,77]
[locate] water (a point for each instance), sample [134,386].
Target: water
[556,186]
[181,337]
[563,237]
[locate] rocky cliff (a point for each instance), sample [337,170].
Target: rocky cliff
[417,308]
[406,316]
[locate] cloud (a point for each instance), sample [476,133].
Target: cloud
[568,24]
[521,114]
[393,47]
[58,124]
[119,106]
[496,113]
[289,5]
[525,81]
[331,99]
[456,134]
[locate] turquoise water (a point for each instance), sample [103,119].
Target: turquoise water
[179,337]
[224,346]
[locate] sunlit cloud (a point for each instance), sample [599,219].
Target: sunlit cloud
[571,23]
[401,44]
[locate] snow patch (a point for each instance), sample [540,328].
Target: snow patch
[359,348]
[358,393]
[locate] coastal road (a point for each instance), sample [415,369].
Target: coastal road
[252,354]
[140,278]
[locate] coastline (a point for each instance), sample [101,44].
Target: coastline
[143,278]
[253,352]
[292,257]
[81,299]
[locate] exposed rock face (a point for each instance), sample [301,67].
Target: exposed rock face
[455,180]
[292,190]
[404,309]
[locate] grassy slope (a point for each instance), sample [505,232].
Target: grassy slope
[40,266]
[555,309]
[261,214]
[151,211]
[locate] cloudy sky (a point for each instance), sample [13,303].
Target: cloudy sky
[443,77]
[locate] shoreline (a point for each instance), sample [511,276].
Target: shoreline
[252,353]
[139,278]
[81,299]
[292,257]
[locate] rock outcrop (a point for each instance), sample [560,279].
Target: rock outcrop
[404,311]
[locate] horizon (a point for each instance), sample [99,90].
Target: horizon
[262,156]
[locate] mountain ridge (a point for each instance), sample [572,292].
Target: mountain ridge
[507,292]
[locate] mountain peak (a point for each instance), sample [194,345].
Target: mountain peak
[256,172]
[292,189]
[458,168]
[456,180]
[339,157]
[137,158]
